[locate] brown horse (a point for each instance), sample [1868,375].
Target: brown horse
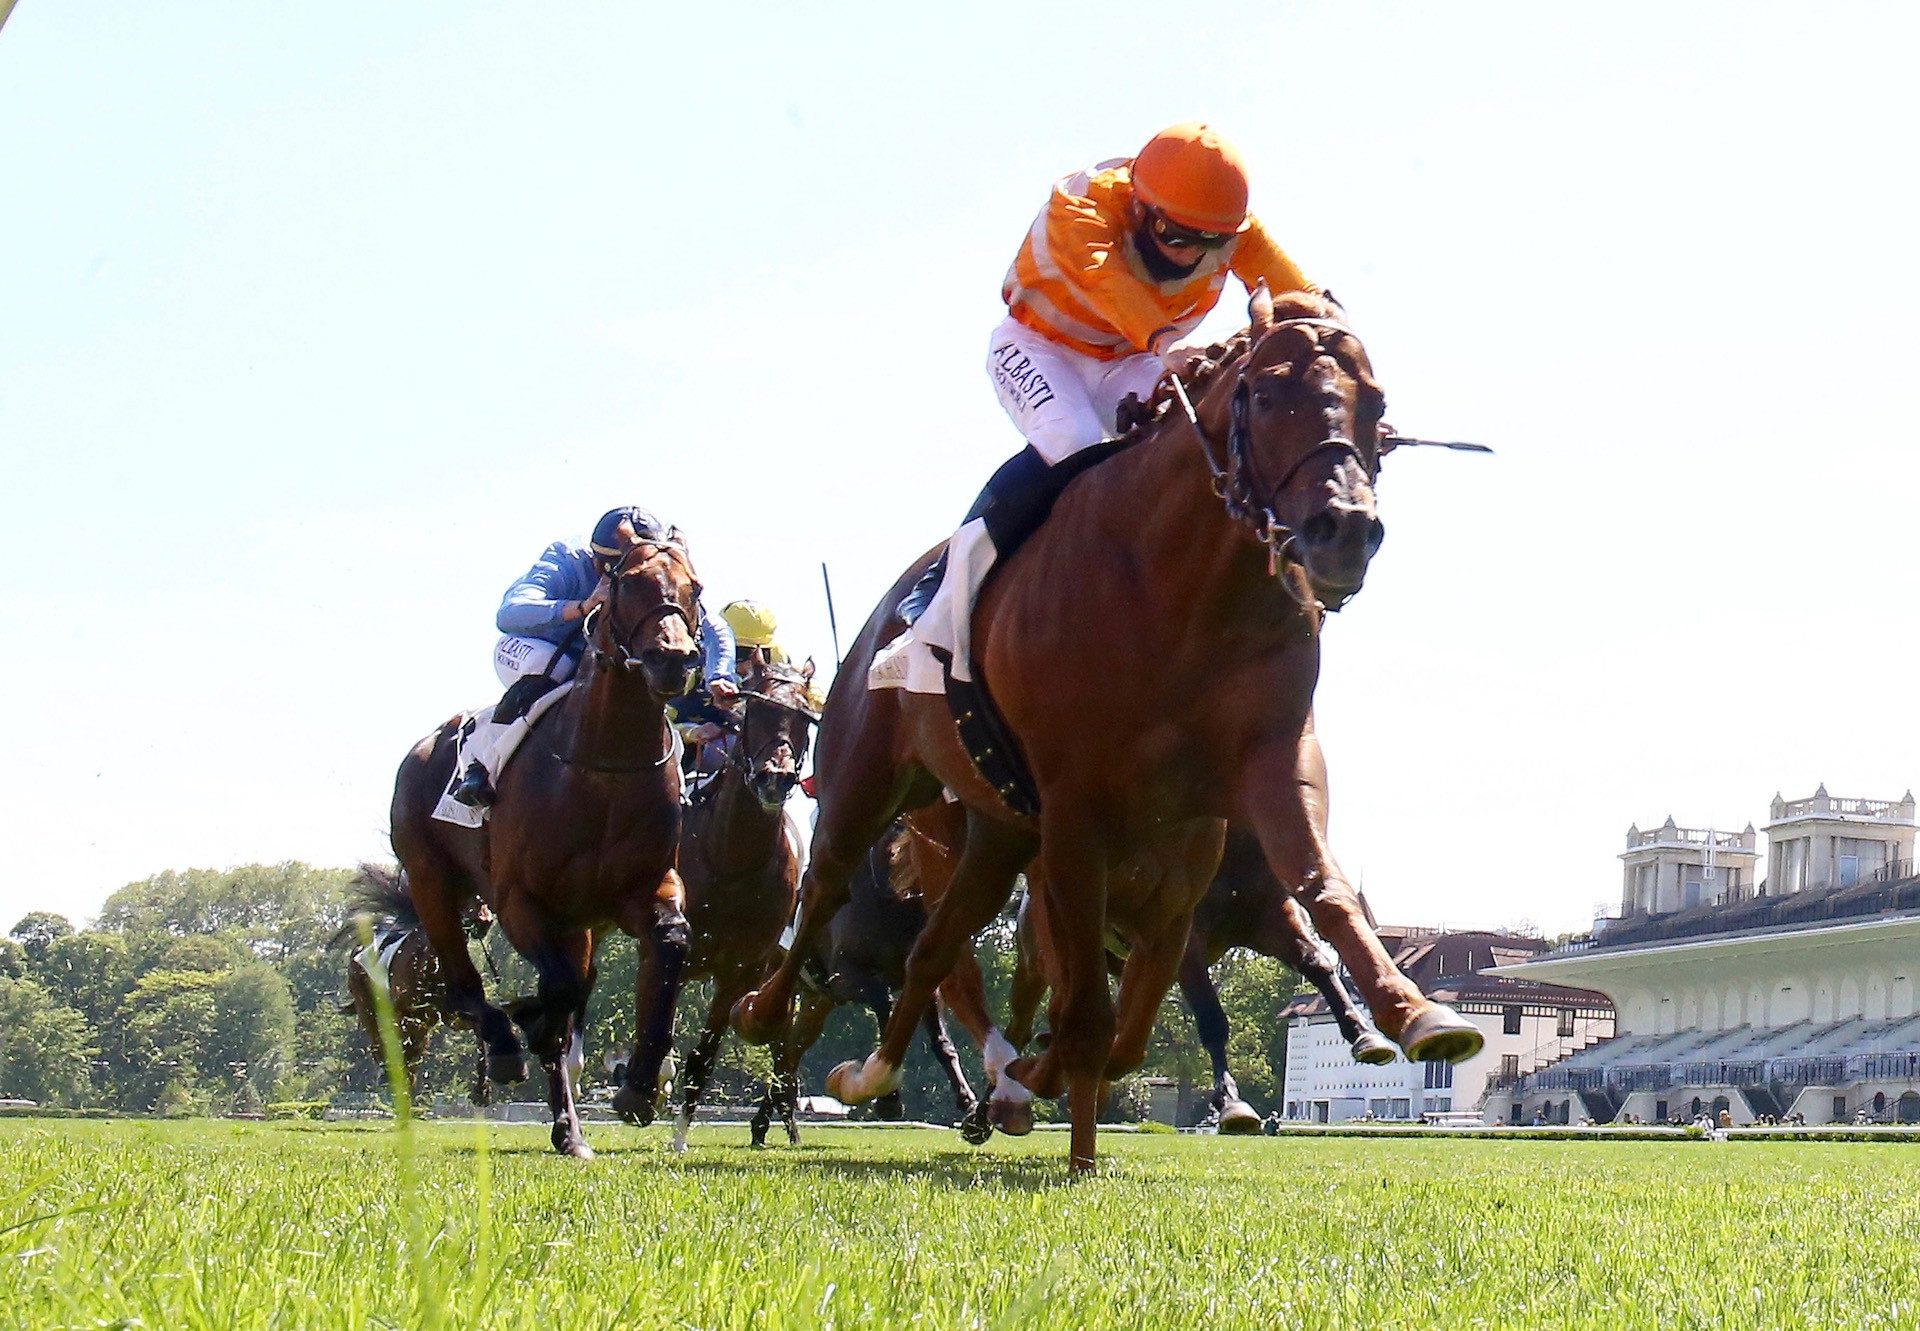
[1245,907]
[1153,650]
[403,957]
[582,837]
[740,858]
[861,957]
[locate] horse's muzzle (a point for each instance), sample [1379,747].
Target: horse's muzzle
[772,785]
[669,674]
[1336,545]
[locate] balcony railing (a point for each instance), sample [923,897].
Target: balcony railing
[1689,836]
[1802,1070]
[1897,811]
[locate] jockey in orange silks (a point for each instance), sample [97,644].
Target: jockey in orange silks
[1123,262]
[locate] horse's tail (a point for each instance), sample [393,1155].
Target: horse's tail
[381,893]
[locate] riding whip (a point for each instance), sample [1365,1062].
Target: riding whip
[832,623]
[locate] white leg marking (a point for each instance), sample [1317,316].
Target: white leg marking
[681,1121]
[576,1056]
[997,1055]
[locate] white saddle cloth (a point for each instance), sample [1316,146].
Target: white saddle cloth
[491,746]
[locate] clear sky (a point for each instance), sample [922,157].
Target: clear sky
[318,322]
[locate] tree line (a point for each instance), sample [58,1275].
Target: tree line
[222,991]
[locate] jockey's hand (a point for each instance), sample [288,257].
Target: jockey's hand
[706,733]
[1183,360]
[598,597]
[724,692]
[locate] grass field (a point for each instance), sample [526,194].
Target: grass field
[222,1225]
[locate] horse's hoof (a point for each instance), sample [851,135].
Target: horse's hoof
[975,1128]
[633,1107]
[1374,1048]
[1012,1117]
[572,1145]
[1439,1033]
[749,1023]
[889,1108]
[758,1128]
[1237,1119]
[793,1134]
[507,1068]
[838,1079]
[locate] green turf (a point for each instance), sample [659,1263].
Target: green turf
[218,1225]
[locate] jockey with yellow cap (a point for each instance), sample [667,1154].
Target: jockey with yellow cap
[1124,261]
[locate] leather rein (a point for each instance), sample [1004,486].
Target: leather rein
[1236,480]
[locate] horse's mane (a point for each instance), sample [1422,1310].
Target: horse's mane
[379,891]
[1137,418]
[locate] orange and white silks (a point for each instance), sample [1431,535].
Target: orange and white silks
[1077,280]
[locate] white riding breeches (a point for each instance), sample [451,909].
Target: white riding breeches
[514,658]
[1060,400]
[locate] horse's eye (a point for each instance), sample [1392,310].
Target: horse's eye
[1263,398]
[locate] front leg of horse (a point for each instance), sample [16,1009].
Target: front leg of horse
[992,859]
[1318,965]
[1283,801]
[1073,895]
[726,989]
[1210,1023]
[663,941]
[766,1013]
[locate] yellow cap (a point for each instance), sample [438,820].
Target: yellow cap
[753,624]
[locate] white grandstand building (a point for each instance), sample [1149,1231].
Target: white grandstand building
[1792,996]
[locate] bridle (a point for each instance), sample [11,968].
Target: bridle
[742,757]
[1236,479]
[621,655]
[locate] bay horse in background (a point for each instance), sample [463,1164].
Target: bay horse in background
[582,837]
[861,958]
[1153,650]
[404,957]
[740,860]
[1245,907]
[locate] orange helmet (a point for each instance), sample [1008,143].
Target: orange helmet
[1193,176]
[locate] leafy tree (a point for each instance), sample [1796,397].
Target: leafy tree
[37,930]
[46,1048]
[13,959]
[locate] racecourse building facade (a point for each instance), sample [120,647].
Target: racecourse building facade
[1793,997]
[1527,1024]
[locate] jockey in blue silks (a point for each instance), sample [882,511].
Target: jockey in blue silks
[541,641]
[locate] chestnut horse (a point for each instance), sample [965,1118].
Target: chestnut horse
[1245,907]
[740,859]
[411,974]
[582,836]
[1153,650]
[861,957]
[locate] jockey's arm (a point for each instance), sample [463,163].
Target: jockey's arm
[717,643]
[1255,256]
[539,604]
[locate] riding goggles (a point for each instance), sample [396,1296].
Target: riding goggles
[1169,232]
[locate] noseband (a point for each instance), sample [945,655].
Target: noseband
[1237,482]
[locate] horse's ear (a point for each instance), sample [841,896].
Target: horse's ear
[1260,308]
[759,659]
[806,671]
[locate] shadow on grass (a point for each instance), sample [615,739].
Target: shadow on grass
[952,1166]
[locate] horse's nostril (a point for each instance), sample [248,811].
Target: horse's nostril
[1320,529]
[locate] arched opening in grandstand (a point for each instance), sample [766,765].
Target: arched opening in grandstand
[1908,1108]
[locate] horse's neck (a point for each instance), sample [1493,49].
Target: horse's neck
[1183,570]
[615,722]
[742,834]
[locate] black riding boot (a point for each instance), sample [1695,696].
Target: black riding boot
[474,788]
[1014,503]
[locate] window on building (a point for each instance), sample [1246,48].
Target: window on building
[1510,1020]
[1659,1111]
[1566,1022]
[1509,1066]
[1839,1108]
[1401,1109]
[1690,894]
[1849,870]
[1439,1075]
